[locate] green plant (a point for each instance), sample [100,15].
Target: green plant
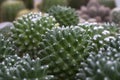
[10,8]
[108,3]
[64,15]
[5,47]
[28,29]
[46,4]
[16,68]
[115,14]
[103,66]
[67,46]
[29,3]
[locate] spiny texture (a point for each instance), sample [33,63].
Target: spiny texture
[103,66]
[16,68]
[115,14]
[28,29]
[46,4]
[5,47]
[10,8]
[68,45]
[64,15]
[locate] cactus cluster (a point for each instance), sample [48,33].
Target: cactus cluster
[115,14]
[64,15]
[28,29]
[16,68]
[103,66]
[46,4]
[10,8]
[67,45]
[95,12]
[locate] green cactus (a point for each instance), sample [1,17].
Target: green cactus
[115,14]
[29,3]
[46,4]
[5,47]
[103,66]
[28,29]
[67,45]
[64,15]
[16,68]
[107,3]
[10,8]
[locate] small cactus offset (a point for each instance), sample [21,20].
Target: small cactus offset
[64,15]
[103,66]
[16,68]
[67,46]
[28,29]
[46,4]
[10,8]
[5,47]
[115,14]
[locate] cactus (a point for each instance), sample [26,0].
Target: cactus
[28,29]
[16,68]
[67,45]
[108,3]
[10,8]
[29,3]
[103,66]
[96,11]
[46,4]
[5,47]
[64,15]
[115,14]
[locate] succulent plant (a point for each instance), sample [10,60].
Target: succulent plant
[46,4]
[103,66]
[16,68]
[64,15]
[10,8]
[96,11]
[67,46]
[28,29]
[77,3]
[29,3]
[5,47]
[108,3]
[115,14]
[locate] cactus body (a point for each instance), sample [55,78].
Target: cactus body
[67,46]
[10,8]
[64,15]
[16,68]
[28,29]
[103,66]
[46,4]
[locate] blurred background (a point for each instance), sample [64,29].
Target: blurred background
[87,10]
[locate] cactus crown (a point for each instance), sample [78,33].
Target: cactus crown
[28,29]
[67,46]
[64,15]
[16,68]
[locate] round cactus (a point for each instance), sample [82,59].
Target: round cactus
[28,29]
[46,4]
[115,14]
[5,47]
[67,45]
[64,15]
[16,68]
[10,8]
[103,66]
